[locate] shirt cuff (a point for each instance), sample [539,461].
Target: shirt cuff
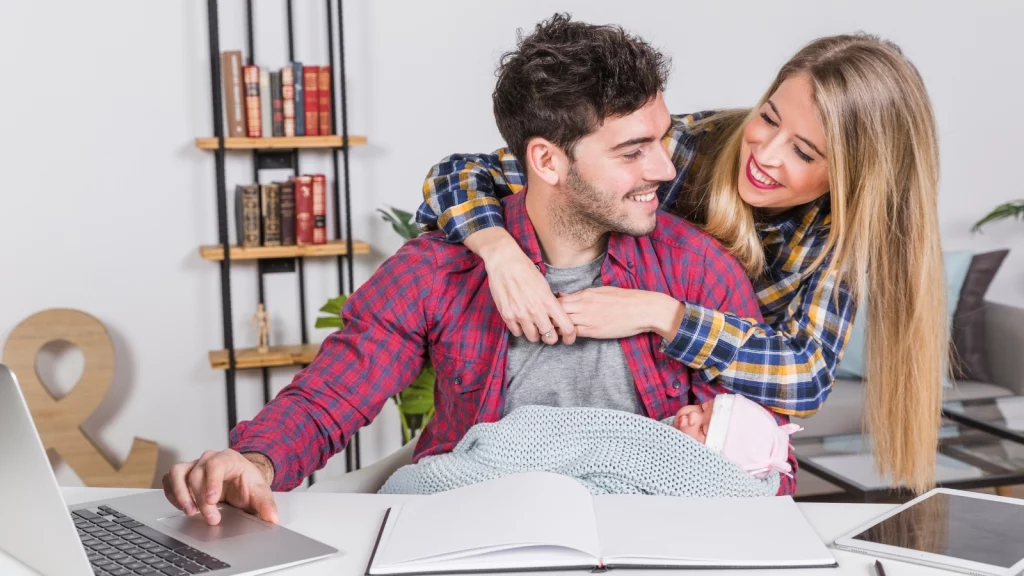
[696,337]
[270,447]
[459,222]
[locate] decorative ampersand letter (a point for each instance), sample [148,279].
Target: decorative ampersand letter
[59,421]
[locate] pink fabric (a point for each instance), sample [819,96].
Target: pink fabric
[753,439]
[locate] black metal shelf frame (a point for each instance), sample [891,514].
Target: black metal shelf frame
[277,159]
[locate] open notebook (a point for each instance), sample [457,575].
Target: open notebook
[543,521]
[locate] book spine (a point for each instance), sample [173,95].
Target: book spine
[300,104]
[234,93]
[271,215]
[312,100]
[252,102]
[277,103]
[265,103]
[288,213]
[324,109]
[250,215]
[319,209]
[303,210]
[288,97]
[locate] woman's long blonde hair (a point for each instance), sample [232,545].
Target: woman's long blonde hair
[883,174]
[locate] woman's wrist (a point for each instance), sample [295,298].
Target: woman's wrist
[489,241]
[665,315]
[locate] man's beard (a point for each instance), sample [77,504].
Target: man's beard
[586,212]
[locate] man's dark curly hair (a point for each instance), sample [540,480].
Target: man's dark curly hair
[562,81]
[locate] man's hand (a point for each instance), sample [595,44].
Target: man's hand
[226,476]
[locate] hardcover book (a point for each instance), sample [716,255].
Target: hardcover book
[287,213]
[234,93]
[312,99]
[271,214]
[319,209]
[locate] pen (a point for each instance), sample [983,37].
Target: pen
[879,569]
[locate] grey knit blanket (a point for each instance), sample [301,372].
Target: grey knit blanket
[608,451]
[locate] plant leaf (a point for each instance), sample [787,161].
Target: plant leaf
[1003,211]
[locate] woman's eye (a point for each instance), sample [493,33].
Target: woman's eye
[768,119]
[801,154]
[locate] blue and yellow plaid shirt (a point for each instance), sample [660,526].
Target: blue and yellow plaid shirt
[786,363]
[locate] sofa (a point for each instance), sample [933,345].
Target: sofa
[841,413]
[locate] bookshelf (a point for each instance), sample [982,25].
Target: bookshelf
[294,355]
[280,153]
[332,248]
[281,143]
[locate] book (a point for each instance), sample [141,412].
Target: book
[271,204]
[265,103]
[247,215]
[544,521]
[319,209]
[288,213]
[310,85]
[303,210]
[253,124]
[277,103]
[300,103]
[234,92]
[324,92]
[288,98]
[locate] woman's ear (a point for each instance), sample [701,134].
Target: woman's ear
[546,160]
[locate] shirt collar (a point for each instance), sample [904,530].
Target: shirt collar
[788,222]
[519,226]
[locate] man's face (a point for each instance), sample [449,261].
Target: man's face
[611,185]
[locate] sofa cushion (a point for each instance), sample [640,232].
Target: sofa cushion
[842,410]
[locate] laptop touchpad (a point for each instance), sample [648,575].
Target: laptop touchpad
[232,524]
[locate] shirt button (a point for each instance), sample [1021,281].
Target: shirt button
[629,264]
[458,381]
[538,266]
[676,384]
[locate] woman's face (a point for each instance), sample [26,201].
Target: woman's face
[782,157]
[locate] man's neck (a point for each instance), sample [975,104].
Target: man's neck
[562,244]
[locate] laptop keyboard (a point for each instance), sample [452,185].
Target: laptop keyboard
[117,545]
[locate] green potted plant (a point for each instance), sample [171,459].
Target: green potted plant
[1013,209]
[416,401]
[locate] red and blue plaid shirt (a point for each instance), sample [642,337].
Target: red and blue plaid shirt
[432,297]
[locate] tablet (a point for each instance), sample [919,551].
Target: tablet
[950,529]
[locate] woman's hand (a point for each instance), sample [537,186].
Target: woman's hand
[521,293]
[607,312]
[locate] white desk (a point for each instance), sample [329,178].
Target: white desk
[349,522]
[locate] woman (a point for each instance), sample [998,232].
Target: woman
[826,194]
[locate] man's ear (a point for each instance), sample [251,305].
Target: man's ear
[547,161]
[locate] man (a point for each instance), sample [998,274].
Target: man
[582,105]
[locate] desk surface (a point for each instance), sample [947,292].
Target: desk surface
[349,522]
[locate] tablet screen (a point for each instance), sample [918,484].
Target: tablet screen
[974,529]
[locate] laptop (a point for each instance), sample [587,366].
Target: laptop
[140,534]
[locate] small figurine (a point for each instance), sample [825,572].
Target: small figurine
[262,320]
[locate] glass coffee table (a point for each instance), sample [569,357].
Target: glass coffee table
[969,457]
[1003,417]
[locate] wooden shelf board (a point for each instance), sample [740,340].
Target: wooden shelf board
[331,248]
[276,356]
[279,143]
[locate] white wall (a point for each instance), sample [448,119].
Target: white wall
[105,199]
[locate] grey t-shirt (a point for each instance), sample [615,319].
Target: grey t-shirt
[588,373]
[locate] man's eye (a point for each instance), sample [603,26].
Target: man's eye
[634,155]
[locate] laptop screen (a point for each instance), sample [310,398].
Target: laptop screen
[974,529]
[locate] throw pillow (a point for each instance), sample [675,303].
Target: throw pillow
[969,346]
[852,365]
